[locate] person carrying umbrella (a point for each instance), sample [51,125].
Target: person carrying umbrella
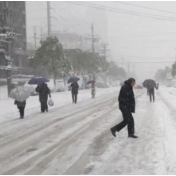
[20,95]
[92,82]
[21,106]
[44,92]
[74,90]
[151,89]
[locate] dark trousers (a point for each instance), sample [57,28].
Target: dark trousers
[21,110]
[44,106]
[74,98]
[152,94]
[127,120]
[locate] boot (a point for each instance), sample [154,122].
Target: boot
[113,132]
[132,136]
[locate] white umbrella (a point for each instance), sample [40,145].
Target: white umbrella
[20,94]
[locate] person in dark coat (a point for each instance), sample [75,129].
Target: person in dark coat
[74,90]
[44,92]
[21,106]
[127,106]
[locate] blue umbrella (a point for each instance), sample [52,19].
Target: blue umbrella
[73,79]
[38,80]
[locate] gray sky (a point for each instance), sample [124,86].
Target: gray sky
[139,40]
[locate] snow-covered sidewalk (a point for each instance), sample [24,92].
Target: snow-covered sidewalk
[153,153]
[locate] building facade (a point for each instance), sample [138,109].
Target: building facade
[13,16]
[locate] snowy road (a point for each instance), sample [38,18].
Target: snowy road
[75,139]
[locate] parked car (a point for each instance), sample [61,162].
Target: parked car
[32,88]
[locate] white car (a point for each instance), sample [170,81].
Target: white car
[31,88]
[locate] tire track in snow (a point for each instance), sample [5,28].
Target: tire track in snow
[15,165]
[50,152]
[25,129]
[79,165]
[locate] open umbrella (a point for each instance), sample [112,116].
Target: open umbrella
[20,94]
[91,82]
[149,83]
[38,80]
[73,79]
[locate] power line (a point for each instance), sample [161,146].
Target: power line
[49,18]
[72,16]
[151,16]
[86,23]
[144,7]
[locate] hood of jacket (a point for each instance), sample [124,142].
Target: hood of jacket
[129,81]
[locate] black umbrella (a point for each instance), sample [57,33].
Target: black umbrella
[149,83]
[38,80]
[73,79]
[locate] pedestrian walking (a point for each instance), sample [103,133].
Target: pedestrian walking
[93,89]
[21,106]
[44,92]
[127,107]
[151,88]
[74,91]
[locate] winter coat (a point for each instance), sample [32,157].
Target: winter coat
[75,88]
[20,104]
[43,91]
[126,97]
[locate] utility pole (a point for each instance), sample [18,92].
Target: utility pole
[93,38]
[104,45]
[92,34]
[35,38]
[49,18]
[8,51]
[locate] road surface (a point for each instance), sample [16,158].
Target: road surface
[75,139]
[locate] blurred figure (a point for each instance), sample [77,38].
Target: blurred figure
[44,92]
[127,107]
[21,106]
[93,89]
[151,89]
[74,90]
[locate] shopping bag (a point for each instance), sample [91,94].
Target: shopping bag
[50,102]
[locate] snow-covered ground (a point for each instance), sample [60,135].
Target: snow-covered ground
[9,111]
[75,139]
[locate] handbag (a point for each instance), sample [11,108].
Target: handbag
[50,102]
